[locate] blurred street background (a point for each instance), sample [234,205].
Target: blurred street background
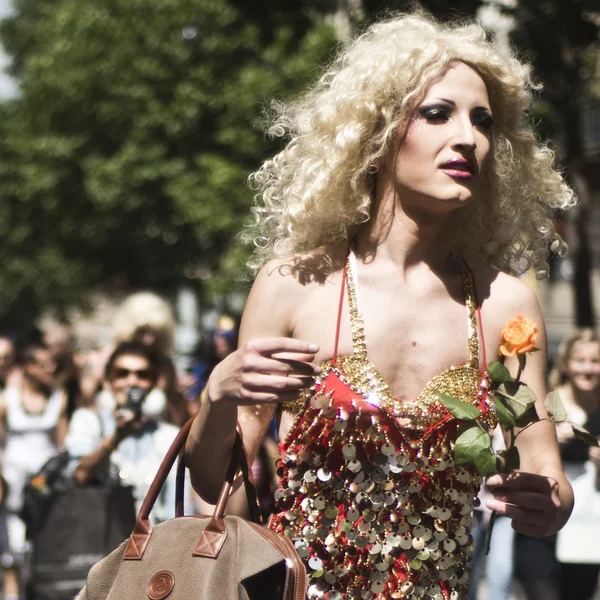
[128,129]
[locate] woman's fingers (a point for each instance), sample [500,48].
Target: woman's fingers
[271,383]
[516,503]
[522,481]
[264,370]
[290,367]
[530,500]
[272,346]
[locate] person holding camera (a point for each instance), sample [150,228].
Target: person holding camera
[125,441]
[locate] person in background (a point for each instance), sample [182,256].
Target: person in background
[9,374]
[577,379]
[221,343]
[33,424]
[124,439]
[148,320]
[578,372]
[60,341]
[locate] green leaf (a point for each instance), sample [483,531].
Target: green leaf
[518,397]
[486,463]
[470,442]
[530,416]
[581,433]
[504,415]
[511,459]
[555,407]
[499,373]
[458,408]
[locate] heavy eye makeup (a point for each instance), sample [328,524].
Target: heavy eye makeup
[441,112]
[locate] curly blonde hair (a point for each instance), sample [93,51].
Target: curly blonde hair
[319,188]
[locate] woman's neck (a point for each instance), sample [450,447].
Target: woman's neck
[404,239]
[34,388]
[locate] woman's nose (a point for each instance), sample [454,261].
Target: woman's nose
[465,134]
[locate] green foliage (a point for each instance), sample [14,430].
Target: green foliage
[517,397]
[555,407]
[511,459]
[124,159]
[584,435]
[486,462]
[499,373]
[471,441]
[505,417]
[565,62]
[457,408]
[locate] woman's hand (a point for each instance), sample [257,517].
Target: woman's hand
[126,423]
[264,371]
[530,500]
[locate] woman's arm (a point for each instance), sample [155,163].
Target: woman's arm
[538,497]
[268,367]
[62,425]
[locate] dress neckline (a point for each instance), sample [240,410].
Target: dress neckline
[350,287]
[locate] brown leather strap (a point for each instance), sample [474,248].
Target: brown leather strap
[180,486]
[216,530]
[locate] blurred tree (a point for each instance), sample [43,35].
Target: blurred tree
[124,159]
[561,60]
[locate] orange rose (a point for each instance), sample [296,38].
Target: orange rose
[519,336]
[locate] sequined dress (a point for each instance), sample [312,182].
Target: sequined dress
[368,490]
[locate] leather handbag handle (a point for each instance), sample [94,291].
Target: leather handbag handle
[140,536]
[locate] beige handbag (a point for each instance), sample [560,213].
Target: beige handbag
[199,558]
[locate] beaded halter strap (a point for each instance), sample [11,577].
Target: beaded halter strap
[350,283]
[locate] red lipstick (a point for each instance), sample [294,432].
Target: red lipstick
[461,168]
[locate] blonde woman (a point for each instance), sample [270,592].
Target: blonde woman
[410,185]
[578,372]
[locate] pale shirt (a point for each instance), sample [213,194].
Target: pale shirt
[135,461]
[29,442]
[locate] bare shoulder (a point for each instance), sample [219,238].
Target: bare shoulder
[502,297]
[511,296]
[284,284]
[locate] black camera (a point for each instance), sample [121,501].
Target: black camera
[134,400]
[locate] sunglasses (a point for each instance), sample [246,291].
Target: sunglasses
[142,374]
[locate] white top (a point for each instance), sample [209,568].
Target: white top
[137,458]
[29,441]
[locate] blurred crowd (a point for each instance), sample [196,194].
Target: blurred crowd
[111,411]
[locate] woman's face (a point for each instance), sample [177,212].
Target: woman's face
[447,143]
[127,371]
[583,366]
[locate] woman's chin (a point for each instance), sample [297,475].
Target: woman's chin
[586,385]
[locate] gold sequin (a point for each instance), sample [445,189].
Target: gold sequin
[369,491]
